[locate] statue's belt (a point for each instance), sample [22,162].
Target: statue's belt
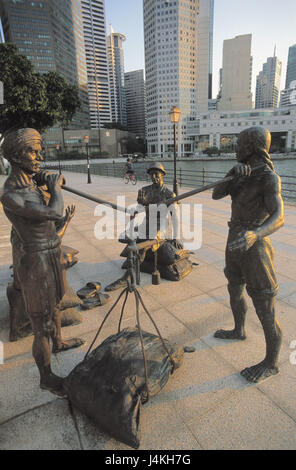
[42,246]
[243,225]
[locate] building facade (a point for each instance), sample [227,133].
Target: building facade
[135,94]
[291,66]
[221,129]
[268,84]
[95,43]
[205,24]
[288,95]
[49,33]
[116,76]
[236,74]
[170,34]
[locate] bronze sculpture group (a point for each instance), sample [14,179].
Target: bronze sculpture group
[257,211]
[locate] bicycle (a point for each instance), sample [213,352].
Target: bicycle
[130,177]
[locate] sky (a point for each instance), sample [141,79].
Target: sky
[271,23]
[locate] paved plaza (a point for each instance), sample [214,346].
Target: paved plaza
[206,405]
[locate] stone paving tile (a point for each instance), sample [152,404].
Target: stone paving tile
[242,354]
[203,382]
[200,314]
[50,427]
[287,286]
[169,293]
[290,299]
[206,276]
[281,389]
[238,424]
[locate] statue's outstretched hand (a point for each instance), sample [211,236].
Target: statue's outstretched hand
[69,213]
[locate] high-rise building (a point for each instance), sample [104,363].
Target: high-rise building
[50,34]
[94,25]
[205,24]
[116,76]
[291,66]
[236,74]
[268,84]
[135,102]
[288,95]
[170,33]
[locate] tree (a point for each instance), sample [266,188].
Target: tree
[32,99]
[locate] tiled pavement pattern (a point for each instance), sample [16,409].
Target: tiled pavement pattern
[206,403]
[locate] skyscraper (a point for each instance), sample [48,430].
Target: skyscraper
[236,74]
[135,102]
[116,76]
[49,33]
[291,66]
[94,26]
[170,33]
[205,24]
[268,84]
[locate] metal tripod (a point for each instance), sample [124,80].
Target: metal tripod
[133,279]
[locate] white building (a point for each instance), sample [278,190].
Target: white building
[205,24]
[116,76]
[221,129]
[236,74]
[94,26]
[288,96]
[170,33]
[268,84]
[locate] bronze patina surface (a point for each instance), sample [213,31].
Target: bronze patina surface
[153,227]
[39,264]
[257,211]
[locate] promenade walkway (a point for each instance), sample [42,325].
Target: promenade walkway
[206,404]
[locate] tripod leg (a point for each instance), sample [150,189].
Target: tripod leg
[155,326]
[142,344]
[101,326]
[122,310]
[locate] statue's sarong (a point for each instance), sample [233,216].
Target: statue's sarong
[41,279]
[253,267]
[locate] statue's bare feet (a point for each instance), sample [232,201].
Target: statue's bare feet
[69,344]
[259,372]
[229,334]
[54,384]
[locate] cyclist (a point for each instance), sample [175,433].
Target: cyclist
[129,169]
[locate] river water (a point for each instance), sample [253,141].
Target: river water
[283,166]
[191,173]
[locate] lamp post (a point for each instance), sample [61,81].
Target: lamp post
[174,118]
[59,158]
[86,139]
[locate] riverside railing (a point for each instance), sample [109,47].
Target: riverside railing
[185,177]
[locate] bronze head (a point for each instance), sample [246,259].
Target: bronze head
[22,148]
[253,141]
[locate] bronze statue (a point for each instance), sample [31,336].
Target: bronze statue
[39,270]
[257,211]
[20,325]
[155,227]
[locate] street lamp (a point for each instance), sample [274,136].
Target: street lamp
[59,158]
[86,139]
[174,118]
